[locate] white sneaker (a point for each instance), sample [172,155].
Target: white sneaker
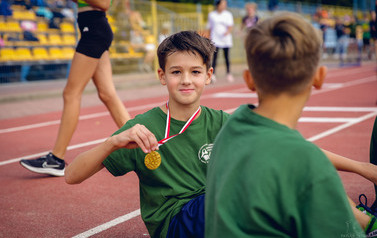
[230,78]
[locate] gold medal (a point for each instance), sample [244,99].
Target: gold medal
[152,160]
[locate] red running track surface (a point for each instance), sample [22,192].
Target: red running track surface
[338,118]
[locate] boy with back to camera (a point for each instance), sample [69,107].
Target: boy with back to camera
[171,177]
[274,183]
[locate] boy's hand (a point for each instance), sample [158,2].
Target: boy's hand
[136,136]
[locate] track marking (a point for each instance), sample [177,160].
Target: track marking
[84,117]
[341,127]
[347,120]
[213,95]
[108,225]
[72,147]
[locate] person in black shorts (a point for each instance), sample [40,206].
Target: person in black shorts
[90,61]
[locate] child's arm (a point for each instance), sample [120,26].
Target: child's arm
[366,170]
[88,163]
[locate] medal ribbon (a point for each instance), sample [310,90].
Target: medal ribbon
[167,128]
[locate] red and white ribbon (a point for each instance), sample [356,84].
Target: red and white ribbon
[167,128]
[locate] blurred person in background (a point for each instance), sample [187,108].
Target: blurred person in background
[220,25]
[251,18]
[90,61]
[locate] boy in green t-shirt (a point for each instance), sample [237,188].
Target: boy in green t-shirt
[274,183]
[172,177]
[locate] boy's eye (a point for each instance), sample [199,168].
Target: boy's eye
[176,72]
[196,72]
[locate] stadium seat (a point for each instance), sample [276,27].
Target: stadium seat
[42,39]
[23,54]
[56,54]
[13,26]
[40,53]
[24,15]
[3,26]
[69,39]
[55,39]
[68,52]
[7,54]
[67,27]
[42,26]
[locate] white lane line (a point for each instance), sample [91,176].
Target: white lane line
[215,95]
[72,147]
[326,109]
[327,119]
[340,109]
[341,127]
[235,95]
[108,225]
[245,93]
[84,117]
[230,111]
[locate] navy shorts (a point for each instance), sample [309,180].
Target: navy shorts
[189,222]
[96,33]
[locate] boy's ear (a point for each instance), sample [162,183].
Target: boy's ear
[209,76]
[249,80]
[319,77]
[161,76]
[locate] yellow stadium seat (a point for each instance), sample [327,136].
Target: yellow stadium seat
[42,26]
[67,27]
[23,54]
[3,26]
[56,53]
[7,54]
[42,39]
[54,39]
[68,52]
[40,53]
[24,15]
[69,39]
[13,26]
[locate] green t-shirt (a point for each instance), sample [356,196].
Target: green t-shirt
[182,173]
[265,180]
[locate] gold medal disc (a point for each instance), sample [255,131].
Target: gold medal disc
[152,160]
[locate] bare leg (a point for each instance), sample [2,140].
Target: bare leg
[106,91]
[81,72]
[362,218]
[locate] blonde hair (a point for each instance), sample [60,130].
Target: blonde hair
[283,53]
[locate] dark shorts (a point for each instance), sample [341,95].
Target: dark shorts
[96,33]
[189,222]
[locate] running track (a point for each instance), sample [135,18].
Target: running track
[338,118]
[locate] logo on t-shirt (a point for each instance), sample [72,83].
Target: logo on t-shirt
[205,152]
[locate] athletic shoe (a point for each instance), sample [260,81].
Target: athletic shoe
[364,207]
[48,164]
[371,229]
[230,78]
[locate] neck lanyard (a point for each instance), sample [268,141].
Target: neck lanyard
[167,127]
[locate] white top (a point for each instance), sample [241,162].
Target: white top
[218,24]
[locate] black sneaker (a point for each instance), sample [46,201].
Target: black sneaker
[48,164]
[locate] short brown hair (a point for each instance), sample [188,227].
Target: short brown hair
[283,53]
[189,41]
